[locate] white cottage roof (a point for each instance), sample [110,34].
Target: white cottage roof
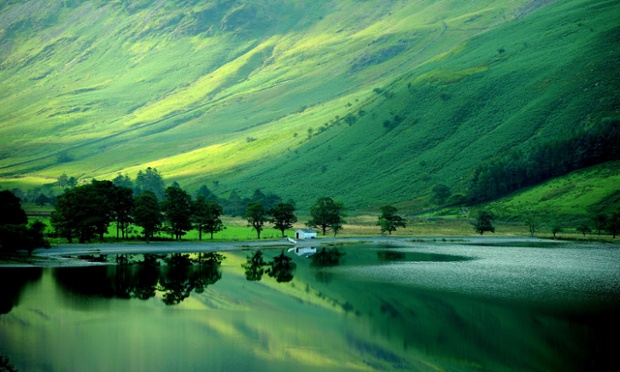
[307,231]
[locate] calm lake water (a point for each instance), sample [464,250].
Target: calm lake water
[487,304]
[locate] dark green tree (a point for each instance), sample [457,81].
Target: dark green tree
[441,193]
[532,222]
[234,204]
[556,227]
[84,211]
[62,180]
[206,216]
[327,214]
[151,180]
[147,214]
[123,206]
[12,211]
[204,191]
[584,229]
[613,225]
[484,222]
[15,234]
[177,207]
[283,216]
[41,200]
[123,181]
[600,222]
[107,191]
[389,220]
[256,216]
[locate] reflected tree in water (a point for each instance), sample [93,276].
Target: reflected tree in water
[5,365]
[390,256]
[12,282]
[145,285]
[281,268]
[181,278]
[207,271]
[142,279]
[326,257]
[254,266]
[176,284]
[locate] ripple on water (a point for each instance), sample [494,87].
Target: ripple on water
[567,274]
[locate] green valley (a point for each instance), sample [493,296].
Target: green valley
[369,102]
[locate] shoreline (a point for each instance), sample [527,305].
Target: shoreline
[57,256]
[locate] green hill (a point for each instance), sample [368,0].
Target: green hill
[366,101]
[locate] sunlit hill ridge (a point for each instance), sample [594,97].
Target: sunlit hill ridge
[369,102]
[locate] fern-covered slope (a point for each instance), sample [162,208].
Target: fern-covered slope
[366,101]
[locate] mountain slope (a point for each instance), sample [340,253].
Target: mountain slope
[366,101]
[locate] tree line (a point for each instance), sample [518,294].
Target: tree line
[86,212]
[599,222]
[586,147]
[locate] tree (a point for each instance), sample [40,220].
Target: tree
[327,214]
[147,213]
[41,200]
[63,180]
[177,207]
[34,237]
[441,193]
[151,180]
[389,220]
[234,205]
[584,229]
[123,204]
[484,222]
[256,216]
[532,223]
[600,222]
[206,216]
[283,216]
[123,181]
[204,191]
[556,228]
[108,192]
[84,211]
[14,233]
[613,225]
[12,212]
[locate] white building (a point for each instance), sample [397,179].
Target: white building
[305,234]
[304,251]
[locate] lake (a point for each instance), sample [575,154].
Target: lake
[471,304]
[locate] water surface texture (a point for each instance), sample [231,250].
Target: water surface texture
[489,304]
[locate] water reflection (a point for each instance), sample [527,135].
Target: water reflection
[143,279]
[327,257]
[281,268]
[254,266]
[303,251]
[390,256]
[382,308]
[13,281]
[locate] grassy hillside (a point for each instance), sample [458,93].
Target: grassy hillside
[366,101]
